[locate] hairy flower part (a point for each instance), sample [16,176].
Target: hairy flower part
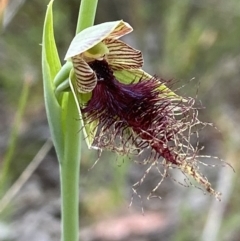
[128,111]
[140,117]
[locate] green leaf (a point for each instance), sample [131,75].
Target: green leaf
[50,67]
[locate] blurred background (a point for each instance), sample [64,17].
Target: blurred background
[180,40]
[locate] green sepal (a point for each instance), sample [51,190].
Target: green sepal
[63,87]
[63,74]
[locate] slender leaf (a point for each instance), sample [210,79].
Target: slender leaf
[50,67]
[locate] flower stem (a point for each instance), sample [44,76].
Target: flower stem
[86,15]
[70,165]
[69,171]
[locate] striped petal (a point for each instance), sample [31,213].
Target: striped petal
[86,79]
[122,56]
[91,36]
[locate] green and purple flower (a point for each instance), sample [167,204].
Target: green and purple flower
[128,111]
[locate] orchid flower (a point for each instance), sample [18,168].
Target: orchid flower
[126,110]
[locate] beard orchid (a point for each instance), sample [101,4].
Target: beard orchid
[126,110]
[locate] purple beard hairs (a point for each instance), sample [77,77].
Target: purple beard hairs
[142,107]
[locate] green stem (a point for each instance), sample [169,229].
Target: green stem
[87,14]
[70,165]
[70,172]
